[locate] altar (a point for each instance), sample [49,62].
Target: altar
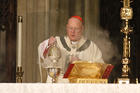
[68,88]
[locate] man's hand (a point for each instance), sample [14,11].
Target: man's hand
[73,58]
[52,40]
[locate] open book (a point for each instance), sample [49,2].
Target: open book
[88,70]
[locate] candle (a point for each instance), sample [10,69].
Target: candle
[19,41]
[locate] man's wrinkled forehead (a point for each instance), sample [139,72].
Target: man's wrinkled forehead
[73,20]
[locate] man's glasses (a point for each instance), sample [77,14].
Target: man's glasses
[73,29]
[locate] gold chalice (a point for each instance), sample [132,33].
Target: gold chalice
[53,73]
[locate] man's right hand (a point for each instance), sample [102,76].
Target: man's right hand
[52,40]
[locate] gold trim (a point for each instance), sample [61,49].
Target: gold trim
[19,75]
[87,80]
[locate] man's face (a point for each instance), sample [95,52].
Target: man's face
[74,29]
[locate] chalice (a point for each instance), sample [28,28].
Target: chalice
[53,73]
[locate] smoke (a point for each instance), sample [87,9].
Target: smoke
[107,46]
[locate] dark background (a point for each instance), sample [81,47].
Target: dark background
[110,20]
[8,12]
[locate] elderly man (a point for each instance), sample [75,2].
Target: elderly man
[73,46]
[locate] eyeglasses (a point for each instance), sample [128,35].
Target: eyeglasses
[73,28]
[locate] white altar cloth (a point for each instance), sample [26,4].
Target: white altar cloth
[68,88]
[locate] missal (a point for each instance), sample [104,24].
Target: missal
[81,70]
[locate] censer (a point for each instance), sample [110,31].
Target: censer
[54,69]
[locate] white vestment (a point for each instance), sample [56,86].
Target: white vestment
[84,49]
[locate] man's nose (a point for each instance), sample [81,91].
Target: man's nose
[73,30]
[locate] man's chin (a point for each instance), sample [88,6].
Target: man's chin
[74,40]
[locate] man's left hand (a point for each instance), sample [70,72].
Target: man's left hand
[74,58]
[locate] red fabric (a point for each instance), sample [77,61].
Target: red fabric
[78,17]
[107,71]
[68,70]
[45,52]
